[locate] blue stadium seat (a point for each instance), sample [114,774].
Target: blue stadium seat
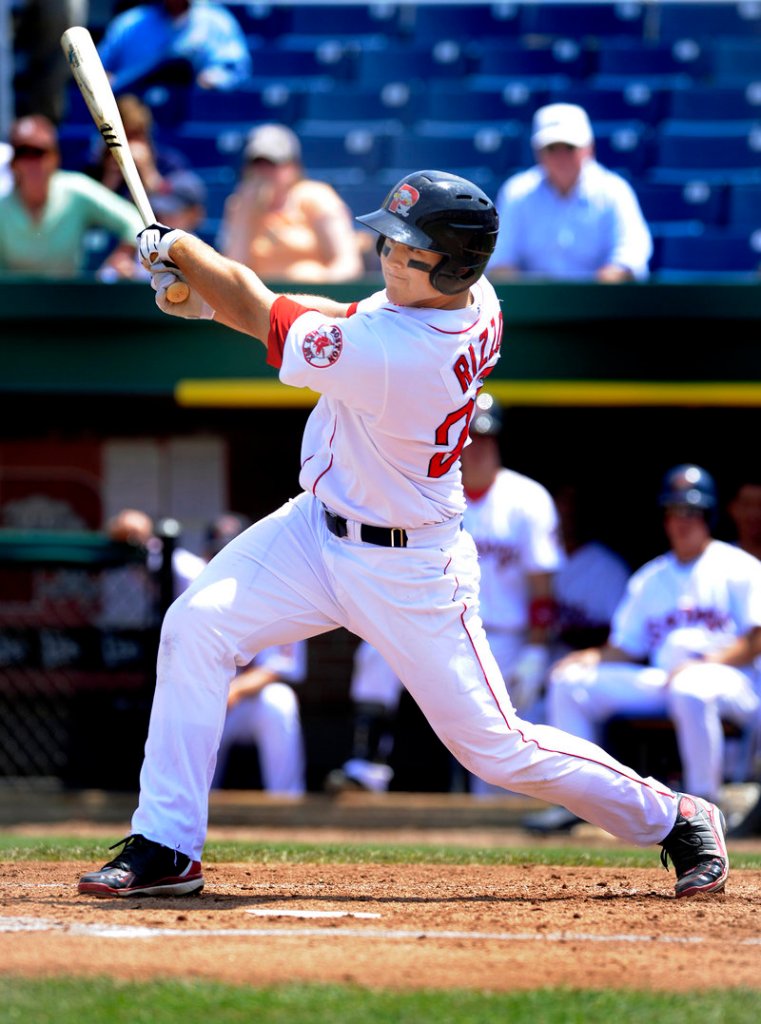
[744,206]
[514,101]
[714,252]
[267,20]
[331,58]
[353,19]
[715,146]
[735,61]
[716,103]
[518,60]
[427,23]
[624,146]
[707,20]
[77,143]
[349,101]
[207,144]
[634,101]
[459,147]
[362,197]
[579,20]
[682,59]
[274,102]
[410,64]
[350,144]
[670,203]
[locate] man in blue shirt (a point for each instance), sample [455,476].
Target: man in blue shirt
[174,40]
[569,217]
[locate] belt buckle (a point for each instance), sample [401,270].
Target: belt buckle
[394,533]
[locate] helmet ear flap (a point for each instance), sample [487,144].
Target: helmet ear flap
[450,282]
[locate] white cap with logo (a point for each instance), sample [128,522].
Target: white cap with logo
[561,122]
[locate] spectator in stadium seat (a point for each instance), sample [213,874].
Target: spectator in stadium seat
[283,225]
[47,213]
[175,42]
[568,217]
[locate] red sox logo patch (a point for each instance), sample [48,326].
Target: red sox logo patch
[403,200]
[322,347]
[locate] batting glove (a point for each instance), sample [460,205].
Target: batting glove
[154,243]
[193,308]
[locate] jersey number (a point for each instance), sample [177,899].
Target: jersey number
[442,462]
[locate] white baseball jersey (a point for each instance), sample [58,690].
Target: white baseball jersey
[515,527]
[382,445]
[700,606]
[398,388]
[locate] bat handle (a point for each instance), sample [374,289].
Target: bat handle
[178,291]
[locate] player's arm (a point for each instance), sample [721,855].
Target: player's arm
[250,683]
[741,652]
[238,296]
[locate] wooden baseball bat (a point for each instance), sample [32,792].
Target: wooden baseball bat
[91,77]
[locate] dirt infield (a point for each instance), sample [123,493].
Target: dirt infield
[394,926]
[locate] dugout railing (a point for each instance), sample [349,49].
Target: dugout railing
[79,622]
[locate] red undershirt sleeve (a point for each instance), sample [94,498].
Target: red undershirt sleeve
[283,313]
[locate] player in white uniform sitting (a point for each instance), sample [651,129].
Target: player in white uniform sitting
[263,711]
[682,643]
[514,524]
[374,543]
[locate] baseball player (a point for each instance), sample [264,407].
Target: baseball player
[682,642]
[373,543]
[263,709]
[262,706]
[514,524]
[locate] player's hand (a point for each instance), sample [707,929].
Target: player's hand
[193,308]
[154,243]
[527,676]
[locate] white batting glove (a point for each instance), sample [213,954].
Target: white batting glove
[154,243]
[193,308]
[527,675]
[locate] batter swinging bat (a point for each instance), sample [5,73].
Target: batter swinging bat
[91,77]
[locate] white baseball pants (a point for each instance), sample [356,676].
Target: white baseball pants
[288,578]
[581,699]
[271,721]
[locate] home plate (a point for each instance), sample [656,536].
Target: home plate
[312,913]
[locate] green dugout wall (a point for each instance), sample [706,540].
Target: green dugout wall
[565,344]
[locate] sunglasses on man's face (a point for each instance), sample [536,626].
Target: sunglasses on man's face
[29,153]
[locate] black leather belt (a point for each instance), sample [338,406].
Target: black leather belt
[385,537]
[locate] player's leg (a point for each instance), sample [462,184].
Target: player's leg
[263,588]
[275,727]
[699,698]
[581,698]
[375,690]
[235,730]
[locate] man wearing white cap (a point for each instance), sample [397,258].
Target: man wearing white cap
[568,217]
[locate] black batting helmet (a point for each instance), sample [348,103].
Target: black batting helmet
[440,213]
[689,486]
[487,416]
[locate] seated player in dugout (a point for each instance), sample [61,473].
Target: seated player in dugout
[373,543]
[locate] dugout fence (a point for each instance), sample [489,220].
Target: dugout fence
[79,628]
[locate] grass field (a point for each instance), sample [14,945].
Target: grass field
[90,1001]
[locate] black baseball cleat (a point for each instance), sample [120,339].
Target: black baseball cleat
[144,868]
[697,847]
